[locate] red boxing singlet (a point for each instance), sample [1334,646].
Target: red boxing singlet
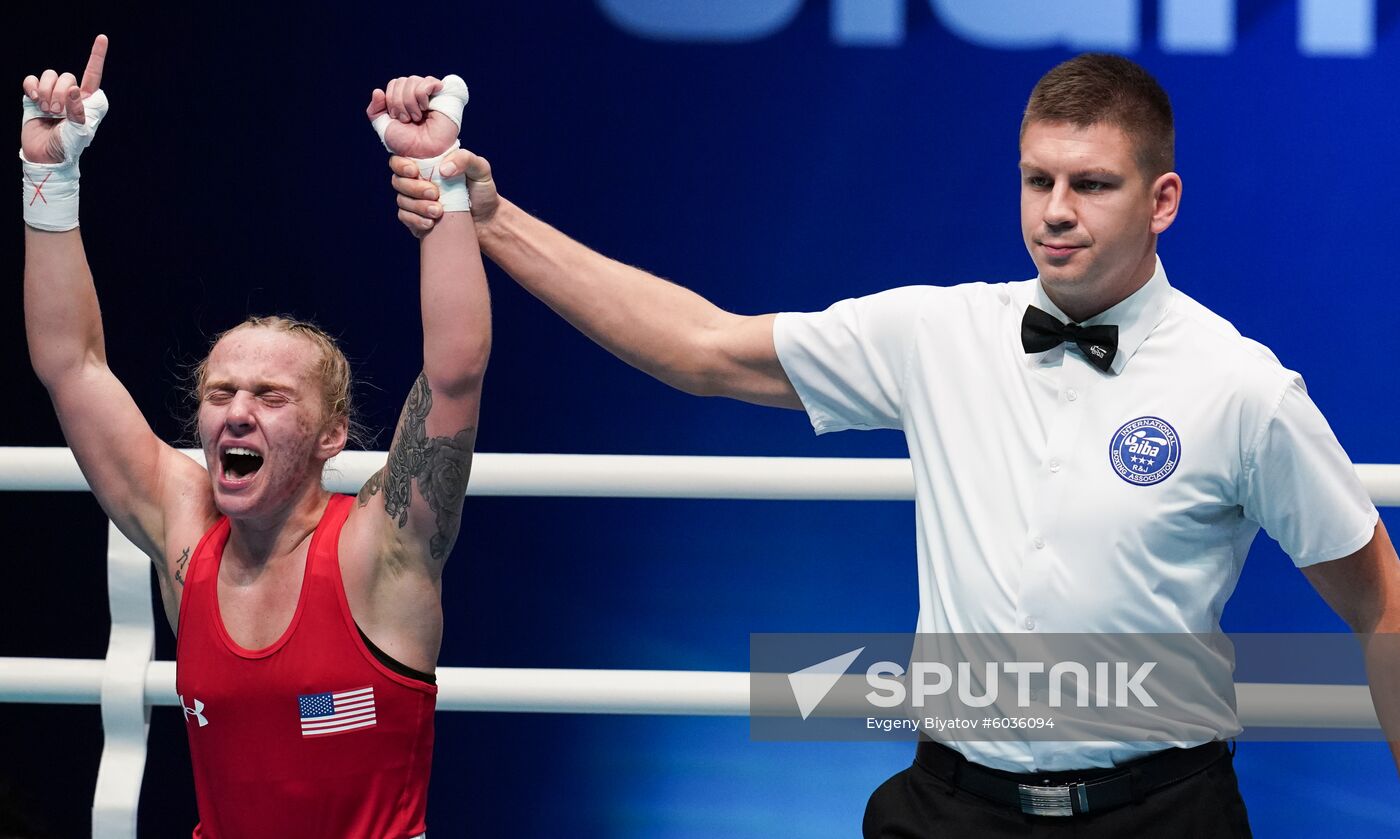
[310,737]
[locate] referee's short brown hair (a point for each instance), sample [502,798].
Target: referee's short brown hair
[1098,88]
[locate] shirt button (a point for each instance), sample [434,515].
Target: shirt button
[1071,394]
[1038,542]
[1030,623]
[1054,466]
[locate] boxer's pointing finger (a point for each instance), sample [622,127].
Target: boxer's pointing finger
[92,76]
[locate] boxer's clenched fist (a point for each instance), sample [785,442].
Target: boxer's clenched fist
[411,124]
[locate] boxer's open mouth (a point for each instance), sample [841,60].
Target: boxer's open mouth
[240,462]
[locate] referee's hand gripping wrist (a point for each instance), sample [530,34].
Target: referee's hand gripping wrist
[419,208]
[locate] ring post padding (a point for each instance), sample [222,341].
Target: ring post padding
[125,715]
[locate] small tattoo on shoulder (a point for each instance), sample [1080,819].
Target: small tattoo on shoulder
[371,487]
[180,566]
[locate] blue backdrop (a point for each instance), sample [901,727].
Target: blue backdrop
[773,155]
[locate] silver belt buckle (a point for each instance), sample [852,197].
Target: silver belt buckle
[1052,801]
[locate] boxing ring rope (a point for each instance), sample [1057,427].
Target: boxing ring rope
[127,683]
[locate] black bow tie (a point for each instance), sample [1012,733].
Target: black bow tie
[1041,331]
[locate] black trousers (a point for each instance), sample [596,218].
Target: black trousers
[915,804]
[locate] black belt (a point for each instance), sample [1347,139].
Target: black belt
[1068,793]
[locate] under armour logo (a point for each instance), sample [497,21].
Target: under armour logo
[39,189]
[196,711]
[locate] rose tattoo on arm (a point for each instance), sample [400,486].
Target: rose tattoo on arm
[439,467]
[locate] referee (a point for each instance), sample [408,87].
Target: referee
[1009,395]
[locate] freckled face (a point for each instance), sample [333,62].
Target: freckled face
[1089,215]
[261,420]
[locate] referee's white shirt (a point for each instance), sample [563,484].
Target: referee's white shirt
[1032,514]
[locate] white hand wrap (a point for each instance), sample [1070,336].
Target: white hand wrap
[50,190]
[450,102]
[452,192]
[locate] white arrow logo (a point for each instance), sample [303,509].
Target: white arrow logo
[810,685]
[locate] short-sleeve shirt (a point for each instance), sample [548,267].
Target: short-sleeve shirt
[1053,497]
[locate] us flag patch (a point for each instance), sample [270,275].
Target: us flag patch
[336,712]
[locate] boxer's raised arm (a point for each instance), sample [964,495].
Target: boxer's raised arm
[418,494]
[660,328]
[132,472]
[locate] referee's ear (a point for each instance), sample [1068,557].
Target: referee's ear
[1166,201]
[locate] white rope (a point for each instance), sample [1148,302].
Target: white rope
[618,476]
[661,692]
[52,681]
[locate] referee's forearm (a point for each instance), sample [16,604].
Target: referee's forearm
[1382,650]
[649,322]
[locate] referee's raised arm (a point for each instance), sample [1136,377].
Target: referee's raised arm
[659,327]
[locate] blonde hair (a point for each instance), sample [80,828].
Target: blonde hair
[332,367]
